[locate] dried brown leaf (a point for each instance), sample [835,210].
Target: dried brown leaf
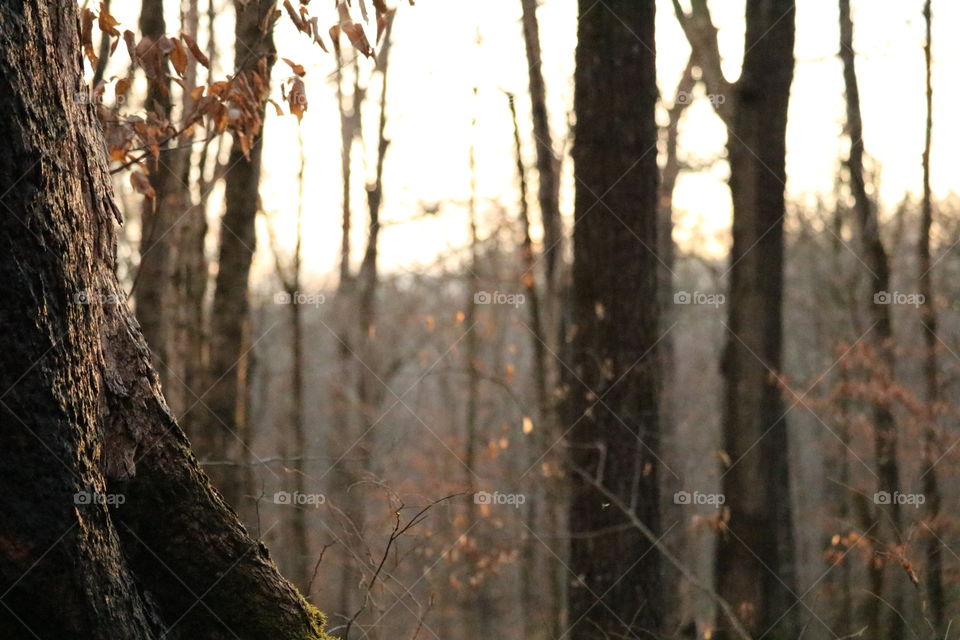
[199,55]
[178,56]
[297,68]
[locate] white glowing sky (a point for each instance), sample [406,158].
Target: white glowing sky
[436,63]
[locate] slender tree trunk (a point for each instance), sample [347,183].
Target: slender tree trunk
[225,424]
[154,289]
[530,590]
[931,450]
[303,562]
[475,597]
[343,475]
[880,338]
[548,166]
[613,389]
[549,307]
[191,276]
[755,555]
[82,417]
[672,443]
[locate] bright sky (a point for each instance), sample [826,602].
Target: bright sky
[436,64]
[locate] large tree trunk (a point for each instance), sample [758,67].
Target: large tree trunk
[754,560]
[612,399]
[82,414]
[225,425]
[884,618]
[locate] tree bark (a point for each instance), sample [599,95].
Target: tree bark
[225,427]
[613,388]
[82,413]
[755,554]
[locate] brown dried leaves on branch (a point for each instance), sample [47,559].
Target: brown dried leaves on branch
[234,105]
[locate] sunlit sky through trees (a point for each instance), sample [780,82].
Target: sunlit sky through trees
[437,62]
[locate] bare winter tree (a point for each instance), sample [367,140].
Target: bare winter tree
[82,419]
[884,608]
[613,386]
[754,562]
[936,596]
[222,430]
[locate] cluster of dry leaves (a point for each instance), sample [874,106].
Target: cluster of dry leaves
[234,104]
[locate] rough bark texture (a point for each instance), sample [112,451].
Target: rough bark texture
[613,386]
[81,410]
[754,562]
[884,618]
[225,428]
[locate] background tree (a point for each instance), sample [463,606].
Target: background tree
[223,431]
[754,557]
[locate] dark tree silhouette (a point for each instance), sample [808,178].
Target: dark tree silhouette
[612,383]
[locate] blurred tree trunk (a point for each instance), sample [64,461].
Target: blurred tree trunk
[755,570]
[475,601]
[191,276]
[225,427]
[931,450]
[673,447]
[531,564]
[549,334]
[884,584]
[155,294]
[548,165]
[82,411]
[613,394]
[754,563]
[343,436]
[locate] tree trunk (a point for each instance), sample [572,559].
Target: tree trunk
[191,276]
[613,394]
[754,558]
[548,166]
[82,418]
[225,430]
[158,247]
[931,489]
[549,335]
[880,338]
